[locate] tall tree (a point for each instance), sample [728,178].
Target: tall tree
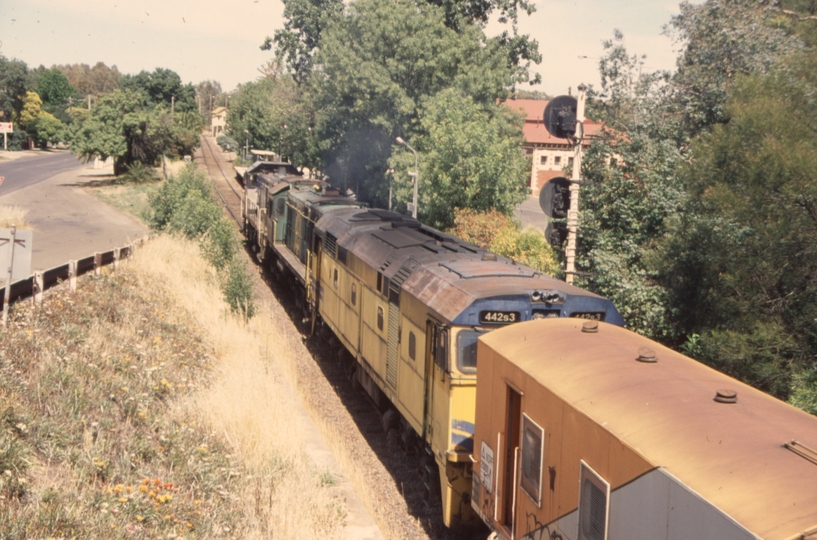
[124,126]
[88,80]
[471,159]
[742,265]
[304,23]
[54,88]
[209,96]
[723,39]
[375,67]
[14,83]
[162,86]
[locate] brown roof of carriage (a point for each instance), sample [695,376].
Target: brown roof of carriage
[731,454]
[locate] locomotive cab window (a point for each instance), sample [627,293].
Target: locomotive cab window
[467,350]
[280,207]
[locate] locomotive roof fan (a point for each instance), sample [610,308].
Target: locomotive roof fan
[560,117]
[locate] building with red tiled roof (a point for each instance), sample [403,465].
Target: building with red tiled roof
[549,156]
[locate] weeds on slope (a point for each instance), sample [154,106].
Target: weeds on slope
[184,205]
[91,445]
[115,420]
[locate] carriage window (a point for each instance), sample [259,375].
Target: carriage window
[354,294]
[335,278]
[412,346]
[379,318]
[531,478]
[467,351]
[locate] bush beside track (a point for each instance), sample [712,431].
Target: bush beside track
[184,205]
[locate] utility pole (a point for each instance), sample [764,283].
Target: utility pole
[575,179]
[172,104]
[416,175]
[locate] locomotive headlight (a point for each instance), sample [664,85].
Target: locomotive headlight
[552,297]
[538,315]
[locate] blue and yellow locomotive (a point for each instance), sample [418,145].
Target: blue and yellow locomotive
[408,303]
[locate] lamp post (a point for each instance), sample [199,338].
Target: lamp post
[416,177]
[246,144]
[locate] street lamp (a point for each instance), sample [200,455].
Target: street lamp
[416,175]
[246,144]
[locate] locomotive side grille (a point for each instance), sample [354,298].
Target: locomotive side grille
[391,352]
[330,245]
[394,285]
[342,254]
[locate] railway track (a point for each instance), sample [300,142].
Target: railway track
[223,178]
[360,421]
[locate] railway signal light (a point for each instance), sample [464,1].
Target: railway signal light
[554,197]
[556,234]
[560,117]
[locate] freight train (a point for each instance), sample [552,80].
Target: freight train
[587,431]
[408,303]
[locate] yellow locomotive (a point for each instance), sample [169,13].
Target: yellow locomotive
[408,303]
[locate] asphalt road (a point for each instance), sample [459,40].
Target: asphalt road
[68,223]
[28,171]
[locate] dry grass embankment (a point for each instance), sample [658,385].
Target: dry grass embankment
[139,408]
[13,216]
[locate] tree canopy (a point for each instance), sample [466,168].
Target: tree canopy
[700,224]
[162,86]
[14,83]
[123,125]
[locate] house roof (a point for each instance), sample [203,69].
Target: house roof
[534,128]
[219,110]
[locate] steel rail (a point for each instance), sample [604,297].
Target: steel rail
[207,164]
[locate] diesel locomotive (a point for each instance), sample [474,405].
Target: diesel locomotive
[408,303]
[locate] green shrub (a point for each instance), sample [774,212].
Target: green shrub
[227,144]
[527,247]
[172,196]
[238,289]
[18,140]
[194,215]
[220,244]
[139,173]
[184,205]
[495,231]
[479,228]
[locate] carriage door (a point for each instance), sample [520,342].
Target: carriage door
[436,365]
[512,430]
[314,280]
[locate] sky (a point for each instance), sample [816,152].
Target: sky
[220,40]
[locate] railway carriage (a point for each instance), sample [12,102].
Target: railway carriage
[592,432]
